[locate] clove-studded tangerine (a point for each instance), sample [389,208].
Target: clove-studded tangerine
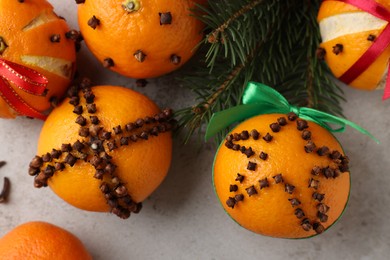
[109,158]
[288,188]
[141,39]
[33,36]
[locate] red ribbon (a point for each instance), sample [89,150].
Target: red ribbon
[376,49]
[25,79]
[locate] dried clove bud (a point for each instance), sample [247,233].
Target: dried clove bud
[91,108]
[121,191]
[36,162]
[282,121]
[320,53]
[338,48]
[335,155]
[81,120]
[255,134]
[321,207]
[239,197]
[111,145]
[239,178]
[46,157]
[93,22]
[78,146]
[318,196]
[316,170]
[55,154]
[139,56]
[244,135]
[294,202]
[249,152]
[108,63]
[318,228]
[117,130]
[83,132]
[49,171]
[278,178]
[236,147]
[175,59]
[324,150]
[263,156]
[124,140]
[106,135]
[59,166]
[289,188]
[302,124]
[251,190]
[323,217]
[231,202]
[306,224]
[299,213]
[78,110]
[94,120]
[263,183]
[66,148]
[105,188]
[310,147]
[236,137]
[165,18]
[233,188]
[306,135]
[251,166]
[70,159]
[371,38]
[313,183]
[328,172]
[55,38]
[268,138]
[292,116]
[74,101]
[275,127]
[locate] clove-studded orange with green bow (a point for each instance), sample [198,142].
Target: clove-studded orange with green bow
[280,172]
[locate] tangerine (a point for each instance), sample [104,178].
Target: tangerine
[138,38]
[32,35]
[110,154]
[282,178]
[355,31]
[41,240]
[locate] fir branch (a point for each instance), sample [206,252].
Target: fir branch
[269,41]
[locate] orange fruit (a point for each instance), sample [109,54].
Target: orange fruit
[41,240]
[140,38]
[277,180]
[108,157]
[355,30]
[32,35]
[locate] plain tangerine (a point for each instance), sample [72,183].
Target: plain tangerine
[142,166]
[41,240]
[14,16]
[270,212]
[121,34]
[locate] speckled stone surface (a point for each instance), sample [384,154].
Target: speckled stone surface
[183,219]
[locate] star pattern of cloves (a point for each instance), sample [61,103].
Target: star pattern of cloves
[94,146]
[340,165]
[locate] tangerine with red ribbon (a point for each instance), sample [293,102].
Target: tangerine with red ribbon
[356,42]
[37,58]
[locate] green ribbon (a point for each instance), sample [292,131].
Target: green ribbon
[260,99]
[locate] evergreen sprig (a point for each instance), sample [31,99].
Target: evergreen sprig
[269,41]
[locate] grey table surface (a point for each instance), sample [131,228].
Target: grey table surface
[183,218]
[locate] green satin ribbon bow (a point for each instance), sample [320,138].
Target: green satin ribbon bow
[260,99]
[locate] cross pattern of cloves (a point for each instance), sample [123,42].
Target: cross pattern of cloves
[316,173]
[93,147]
